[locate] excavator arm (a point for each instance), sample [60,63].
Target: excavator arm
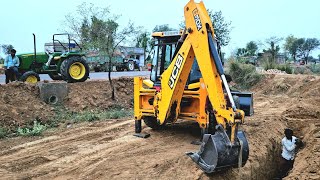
[165,102]
[199,44]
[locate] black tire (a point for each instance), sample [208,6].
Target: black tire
[30,77]
[119,68]
[55,76]
[74,61]
[130,66]
[97,69]
[152,123]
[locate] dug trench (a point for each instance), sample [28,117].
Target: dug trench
[103,148]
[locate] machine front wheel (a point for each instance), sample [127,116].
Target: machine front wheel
[152,122]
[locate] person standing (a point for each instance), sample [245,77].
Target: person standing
[11,64]
[290,144]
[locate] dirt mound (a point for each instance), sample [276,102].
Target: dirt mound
[306,86]
[304,119]
[296,100]
[20,105]
[97,95]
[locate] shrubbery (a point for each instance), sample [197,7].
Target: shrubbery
[285,67]
[3,132]
[315,68]
[244,75]
[36,130]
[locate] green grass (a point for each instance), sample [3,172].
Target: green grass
[3,132]
[63,115]
[36,130]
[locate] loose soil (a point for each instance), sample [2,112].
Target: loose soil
[107,149]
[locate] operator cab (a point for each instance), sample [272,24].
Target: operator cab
[165,44]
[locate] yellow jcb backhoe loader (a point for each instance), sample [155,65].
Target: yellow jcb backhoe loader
[187,82]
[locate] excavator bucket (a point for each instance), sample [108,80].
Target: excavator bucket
[217,153]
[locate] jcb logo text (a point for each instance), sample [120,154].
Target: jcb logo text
[175,71]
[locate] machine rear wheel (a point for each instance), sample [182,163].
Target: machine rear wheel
[152,122]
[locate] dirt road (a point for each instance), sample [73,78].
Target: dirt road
[108,149]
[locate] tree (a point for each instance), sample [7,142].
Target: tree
[163,27]
[99,31]
[221,27]
[319,57]
[292,45]
[307,46]
[273,48]
[6,48]
[143,41]
[251,48]
[241,52]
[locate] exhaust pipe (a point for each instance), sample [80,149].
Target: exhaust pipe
[35,47]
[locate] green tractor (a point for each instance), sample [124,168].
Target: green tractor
[65,61]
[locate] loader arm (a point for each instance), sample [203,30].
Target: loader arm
[199,44]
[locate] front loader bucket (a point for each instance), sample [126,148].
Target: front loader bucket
[216,152]
[245,101]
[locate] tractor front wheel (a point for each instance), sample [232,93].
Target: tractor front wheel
[74,69]
[30,77]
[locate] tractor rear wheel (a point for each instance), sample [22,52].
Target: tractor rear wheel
[152,122]
[55,76]
[30,77]
[74,69]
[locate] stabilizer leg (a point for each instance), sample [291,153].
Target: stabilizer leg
[138,129]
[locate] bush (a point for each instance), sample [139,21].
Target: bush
[267,63]
[285,67]
[3,132]
[300,70]
[244,75]
[315,68]
[36,130]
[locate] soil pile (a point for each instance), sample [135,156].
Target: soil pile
[298,98]
[20,105]
[97,95]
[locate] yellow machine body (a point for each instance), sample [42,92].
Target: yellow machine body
[174,99]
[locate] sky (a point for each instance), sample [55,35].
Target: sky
[251,20]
